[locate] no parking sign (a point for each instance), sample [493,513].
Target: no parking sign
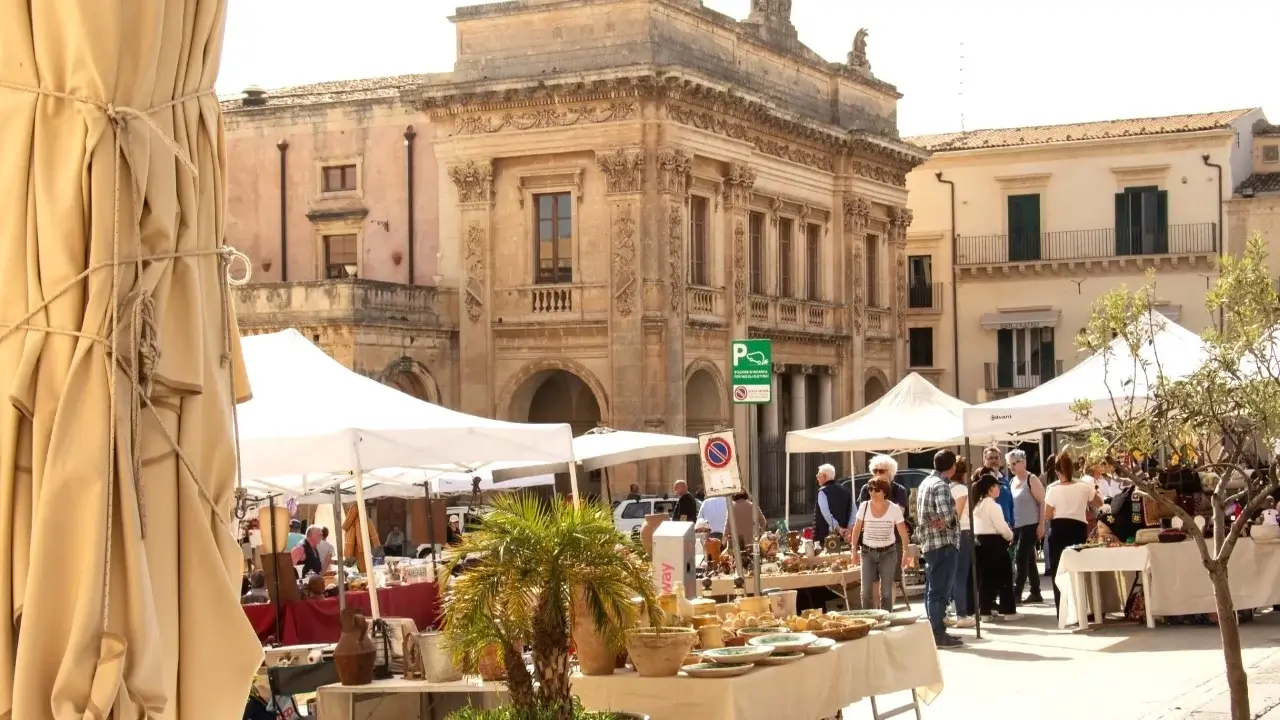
[719,464]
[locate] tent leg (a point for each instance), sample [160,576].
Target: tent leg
[431,535]
[368,545]
[573,482]
[275,572]
[973,556]
[786,488]
[337,548]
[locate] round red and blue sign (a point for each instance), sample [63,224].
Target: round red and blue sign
[717,453]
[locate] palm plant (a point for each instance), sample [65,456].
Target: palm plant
[533,557]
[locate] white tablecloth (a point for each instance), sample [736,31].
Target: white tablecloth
[894,660]
[1179,584]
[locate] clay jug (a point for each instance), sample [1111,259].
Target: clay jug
[354,655]
[651,523]
[595,657]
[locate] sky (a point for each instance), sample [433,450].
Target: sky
[960,64]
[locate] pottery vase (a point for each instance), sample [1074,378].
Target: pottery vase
[354,655]
[651,523]
[595,657]
[793,541]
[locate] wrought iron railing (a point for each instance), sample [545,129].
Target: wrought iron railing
[1018,375]
[924,298]
[1186,239]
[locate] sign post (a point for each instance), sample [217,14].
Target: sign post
[751,373]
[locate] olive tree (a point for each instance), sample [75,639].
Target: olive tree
[1217,420]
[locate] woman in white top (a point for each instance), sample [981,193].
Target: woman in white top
[1067,507]
[992,537]
[1101,477]
[873,531]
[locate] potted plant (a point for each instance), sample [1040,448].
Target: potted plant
[534,558]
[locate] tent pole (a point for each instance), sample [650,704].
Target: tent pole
[573,481]
[786,485]
[368,545]
[431,534]
[338,517]
[973,556]
[275,571]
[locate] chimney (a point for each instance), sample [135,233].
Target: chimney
[254,96]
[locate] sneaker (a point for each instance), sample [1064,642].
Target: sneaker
[964,622]
[948,641]
[949,621]
[1012,617]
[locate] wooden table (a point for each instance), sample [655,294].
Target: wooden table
[400,699]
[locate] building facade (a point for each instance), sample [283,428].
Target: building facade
[1018,231]
[1254,207]
[622,188]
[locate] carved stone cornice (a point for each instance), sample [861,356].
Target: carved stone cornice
[899,220]
[474,181]
[738,183]
[857,213]
[623,170]
[675,171]
[542,118]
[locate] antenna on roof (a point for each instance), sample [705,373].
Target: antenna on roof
[960,92]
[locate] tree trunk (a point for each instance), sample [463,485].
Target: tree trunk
[1229,627]
[551,657]
[519,681]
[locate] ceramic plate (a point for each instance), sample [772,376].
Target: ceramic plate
[784,642]
[716,670]
[819,646]
[903,618]
[758,631]
[781,658]
[881,625]
[736,655]
[868,614]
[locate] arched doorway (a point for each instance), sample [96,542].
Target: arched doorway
[556,396]
[873,390]
[703,412]
[410,377]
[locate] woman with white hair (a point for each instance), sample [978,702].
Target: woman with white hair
[1028,524]
[873,533]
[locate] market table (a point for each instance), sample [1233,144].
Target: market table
[894,660]
[1175,581]
[400,699]
[793,581]
[311,622]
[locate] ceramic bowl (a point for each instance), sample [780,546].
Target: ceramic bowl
[781,658]
[783,642]
[716,670]
[819,646]
[737,655]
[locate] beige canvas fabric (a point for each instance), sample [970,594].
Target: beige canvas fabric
[118,566]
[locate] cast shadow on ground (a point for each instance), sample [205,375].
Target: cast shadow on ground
[1007,655]
[1263,632]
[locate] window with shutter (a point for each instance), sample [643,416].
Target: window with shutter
[1024,228]
[1142,221]
[920,346]
[1048,359]
[1004,358]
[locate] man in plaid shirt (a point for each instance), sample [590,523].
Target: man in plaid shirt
[938,534]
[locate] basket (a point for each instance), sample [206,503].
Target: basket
[1172,536]
[852,630]
[659,652]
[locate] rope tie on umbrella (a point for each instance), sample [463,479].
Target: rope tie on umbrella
[144,348]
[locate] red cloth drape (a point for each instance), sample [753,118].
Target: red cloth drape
[316,621]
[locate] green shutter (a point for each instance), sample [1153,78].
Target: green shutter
[1004,357]
[1162,222]
[1123,240]
[1024,228]
[1048,359]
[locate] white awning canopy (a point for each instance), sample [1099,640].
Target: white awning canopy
[605,447]
[1016,319]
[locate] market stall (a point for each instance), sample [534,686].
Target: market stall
[307,622]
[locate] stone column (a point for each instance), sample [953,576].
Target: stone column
[857,213]
[738,182]
[799,408]
[674,176]
[899,221]
[624,171]
[474,181]
[826,395]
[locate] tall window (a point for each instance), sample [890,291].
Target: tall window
[920,346]
[757,252]
[785,257]
[1026,357]
[920,281]
[1142,221]
[698,217]
[338,178]
[555,238]
[1270,154]
[813,262]
[873,271]
[1024,228]
[341,259]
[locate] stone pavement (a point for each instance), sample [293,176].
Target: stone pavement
[1123,671]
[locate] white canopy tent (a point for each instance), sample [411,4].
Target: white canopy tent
[408,483]
[604,447]
[1109,379]
[309,414]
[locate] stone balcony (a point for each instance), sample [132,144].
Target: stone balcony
[349,301]
[561,302]
[706,304]
[794,315]
[879,322]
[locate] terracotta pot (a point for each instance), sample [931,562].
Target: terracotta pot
[354,655]
[651,523]
[595,657]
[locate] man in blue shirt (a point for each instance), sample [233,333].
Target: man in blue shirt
[938,533]
[993,459]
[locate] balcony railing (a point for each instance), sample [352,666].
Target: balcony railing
[1018,375]
[705,302]
[551,302]
[792,314]
[1189,239]
[349,300]
[924,298]
[879,321]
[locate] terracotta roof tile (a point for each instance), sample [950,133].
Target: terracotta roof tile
[329,92]
[1261,183]
[1102,130]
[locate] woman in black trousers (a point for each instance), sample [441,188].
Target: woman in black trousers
[992,536]
[1067,504]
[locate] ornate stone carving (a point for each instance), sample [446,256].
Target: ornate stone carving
[772,7]
[675,168]
[474,292]
[855,271]
[902,290]
[899,220]
[806,369]
[474,181]
[858,62]
[623,170]
[857,213]
[769,146]
[738,184]
[675,255]
[624,262]
[551,117]
[739,269]
[779,368]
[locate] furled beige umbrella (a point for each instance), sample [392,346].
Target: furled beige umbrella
[117,563]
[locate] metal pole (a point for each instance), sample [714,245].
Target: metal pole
[786,485]
[275,567]
[431,534]
[973,555]
[733,546]
[338,519]
[753,492]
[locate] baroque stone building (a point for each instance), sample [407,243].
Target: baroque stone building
[625,186]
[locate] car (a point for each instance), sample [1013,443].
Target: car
[910,478]
[628,515]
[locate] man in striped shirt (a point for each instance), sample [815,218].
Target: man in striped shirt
[938,533]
